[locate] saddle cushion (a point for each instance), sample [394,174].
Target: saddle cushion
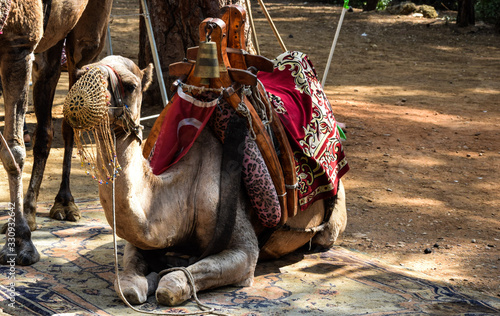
[298,97]
[255,175]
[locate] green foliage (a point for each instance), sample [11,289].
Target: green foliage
[382,4]
[488,10]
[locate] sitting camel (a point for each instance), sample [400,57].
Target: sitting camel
[176,211]
[33,33]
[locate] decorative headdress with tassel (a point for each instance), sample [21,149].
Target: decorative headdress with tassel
[86,110]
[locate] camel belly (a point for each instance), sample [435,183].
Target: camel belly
[64,15]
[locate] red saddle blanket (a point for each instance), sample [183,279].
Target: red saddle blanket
[185,121]
[297,96]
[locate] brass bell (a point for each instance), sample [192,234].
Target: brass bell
[207,63]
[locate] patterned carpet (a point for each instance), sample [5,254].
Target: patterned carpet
[76,272]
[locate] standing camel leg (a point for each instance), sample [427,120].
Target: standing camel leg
[46,73]
[83,45]
[16,71]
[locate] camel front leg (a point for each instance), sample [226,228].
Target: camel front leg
[229,267]
[45,77]
[16,69]
[232,266]
[64,207]
[134,284]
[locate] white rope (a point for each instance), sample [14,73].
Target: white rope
[189,276]
[252,26]
[9,152]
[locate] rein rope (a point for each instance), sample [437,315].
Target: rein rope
[204,308]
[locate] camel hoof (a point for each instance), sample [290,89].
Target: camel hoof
[24,255]
[133,296]
[136,288]
[173,289]
[69,212]
[166,297]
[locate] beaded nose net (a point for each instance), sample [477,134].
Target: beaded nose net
[86,110]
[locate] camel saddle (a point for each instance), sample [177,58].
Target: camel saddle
[234,79]
[238,72]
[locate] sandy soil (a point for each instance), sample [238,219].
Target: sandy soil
[421,100]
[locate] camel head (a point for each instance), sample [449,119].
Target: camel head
[117,88]
[105,100]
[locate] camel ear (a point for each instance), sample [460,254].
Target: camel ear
[147,77]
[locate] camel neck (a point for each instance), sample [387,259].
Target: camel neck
[148,212]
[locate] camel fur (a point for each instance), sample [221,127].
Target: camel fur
[176,212]
[27,44]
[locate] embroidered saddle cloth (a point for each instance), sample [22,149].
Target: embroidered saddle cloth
[306,114]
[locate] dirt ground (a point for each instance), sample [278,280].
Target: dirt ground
[421,101]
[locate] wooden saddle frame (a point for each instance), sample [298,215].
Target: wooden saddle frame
[239,68]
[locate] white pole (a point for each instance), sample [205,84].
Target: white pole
[110,44]
[333,45]
[252,26]
[273,27]
[156,58]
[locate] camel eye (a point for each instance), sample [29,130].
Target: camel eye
[129,86]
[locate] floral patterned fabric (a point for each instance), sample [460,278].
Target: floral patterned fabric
[75,276]
[297,95]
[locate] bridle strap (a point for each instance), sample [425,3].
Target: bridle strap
[130,126]
[116,85]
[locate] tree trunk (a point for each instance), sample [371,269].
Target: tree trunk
[466,15]
[175,28]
